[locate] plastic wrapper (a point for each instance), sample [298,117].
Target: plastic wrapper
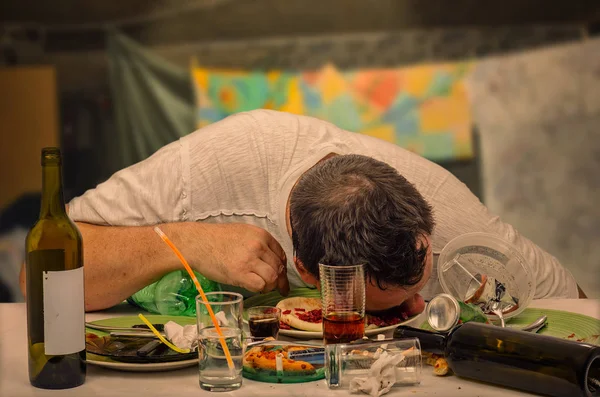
[174,294]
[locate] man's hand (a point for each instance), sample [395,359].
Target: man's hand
[237,254]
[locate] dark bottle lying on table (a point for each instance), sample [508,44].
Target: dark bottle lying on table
[536,363]
[55,297]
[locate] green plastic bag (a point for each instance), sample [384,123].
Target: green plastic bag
[471,313]
[174,294]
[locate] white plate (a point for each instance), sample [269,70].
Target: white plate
[272,298]
[137,367]
[294,333]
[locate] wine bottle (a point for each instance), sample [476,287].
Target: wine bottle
[512,358]
[55,295]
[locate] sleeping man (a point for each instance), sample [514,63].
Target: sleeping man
[256,200]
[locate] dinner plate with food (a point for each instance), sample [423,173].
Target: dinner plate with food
[134,348]
[302,318]
[282,362]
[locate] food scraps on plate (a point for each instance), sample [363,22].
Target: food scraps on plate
[306,314]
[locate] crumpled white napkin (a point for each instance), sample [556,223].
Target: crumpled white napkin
[184,337]
[381,378]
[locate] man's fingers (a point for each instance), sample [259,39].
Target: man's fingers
[253,282]
[273,260]
[279,265]
[276,248]
[267,273]
[283,284]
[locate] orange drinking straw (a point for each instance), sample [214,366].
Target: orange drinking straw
[199,288]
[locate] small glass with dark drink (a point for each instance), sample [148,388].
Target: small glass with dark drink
[263,321]
[343,299]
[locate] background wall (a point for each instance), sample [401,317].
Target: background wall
[271,33]
[29,115]
[540,149]
[71,35]
[77,25]
[86,73]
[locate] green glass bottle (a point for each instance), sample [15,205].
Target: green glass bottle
[526,361]
[55,294]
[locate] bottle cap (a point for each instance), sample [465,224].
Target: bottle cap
[443,312]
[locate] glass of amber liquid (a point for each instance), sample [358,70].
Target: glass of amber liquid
[343,301]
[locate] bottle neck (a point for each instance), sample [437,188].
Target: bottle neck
[431,342]
[53,203]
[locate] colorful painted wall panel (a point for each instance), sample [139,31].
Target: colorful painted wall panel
[422,108]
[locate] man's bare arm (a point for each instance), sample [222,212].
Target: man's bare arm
[119,261]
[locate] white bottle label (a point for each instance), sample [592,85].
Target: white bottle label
[64,312]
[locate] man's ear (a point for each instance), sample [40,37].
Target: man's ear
[305,275]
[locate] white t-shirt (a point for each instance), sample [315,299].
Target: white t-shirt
[242,169]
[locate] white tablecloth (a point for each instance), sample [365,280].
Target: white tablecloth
[14,380]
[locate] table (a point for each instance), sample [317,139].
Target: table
[14,380]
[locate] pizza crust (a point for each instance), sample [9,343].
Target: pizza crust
[262,358]
[292,320]
[440,368]
[439,363]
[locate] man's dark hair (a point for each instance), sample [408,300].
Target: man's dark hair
[360,210]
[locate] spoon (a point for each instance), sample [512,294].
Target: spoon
[496,308]
[536,325]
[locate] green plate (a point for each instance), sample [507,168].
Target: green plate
[272,377]
[560,324]
[128,321]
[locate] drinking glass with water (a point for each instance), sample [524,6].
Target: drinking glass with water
[220,350]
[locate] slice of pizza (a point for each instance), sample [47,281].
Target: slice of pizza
[302,313]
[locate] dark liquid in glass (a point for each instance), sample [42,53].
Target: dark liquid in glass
[343,327]
[264,327]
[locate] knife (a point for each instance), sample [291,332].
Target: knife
[314,355]
[135,334]
[284,343]
[159,327]
[148,348]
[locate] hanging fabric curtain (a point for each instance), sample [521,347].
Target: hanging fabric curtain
[153,99]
